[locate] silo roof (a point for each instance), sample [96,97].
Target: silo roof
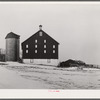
[12,35]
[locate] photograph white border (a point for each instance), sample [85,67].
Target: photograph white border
[51,94]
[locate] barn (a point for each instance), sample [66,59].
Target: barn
[40,48]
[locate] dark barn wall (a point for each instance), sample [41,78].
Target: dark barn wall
[40,47]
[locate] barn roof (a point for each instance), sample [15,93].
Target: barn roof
[12,35]
[36,33]
[40,29]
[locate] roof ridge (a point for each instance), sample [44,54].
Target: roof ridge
[36,33]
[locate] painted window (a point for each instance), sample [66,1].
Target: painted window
[35,46]
[31,60]
[48,60]
[53,51]
[35,51]
[26,51]
[27,46]
[44,41]
[44,46]
[53,46]
[40,34]
[35,41]
[44,51]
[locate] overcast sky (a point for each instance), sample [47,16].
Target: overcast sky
[76,26]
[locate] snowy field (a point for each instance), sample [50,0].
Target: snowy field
[15,75]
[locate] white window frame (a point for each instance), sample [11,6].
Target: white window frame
[45,41]
[53,46]
[35,51]
[26,45]
[48,60]
[54,51]
[26,51]
[44,46]
[40,33]
[31,60]
[36,41]
[45,51]
[35,46]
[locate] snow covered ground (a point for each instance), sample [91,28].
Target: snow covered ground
[15,75]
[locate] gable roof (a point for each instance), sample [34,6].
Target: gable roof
[36,33]
[12,35]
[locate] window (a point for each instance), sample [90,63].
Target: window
[40,33]
[35,41]
[27,46]
[44,51]
[35,51]
[35,46]
[31,60]
[48,60]
[53,46]
[44,41]
[26,51]
[53,51]
[44,46]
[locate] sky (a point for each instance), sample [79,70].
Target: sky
[75,25]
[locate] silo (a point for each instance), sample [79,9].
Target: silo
[12,47]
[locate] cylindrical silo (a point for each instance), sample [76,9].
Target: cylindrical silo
[12,47]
